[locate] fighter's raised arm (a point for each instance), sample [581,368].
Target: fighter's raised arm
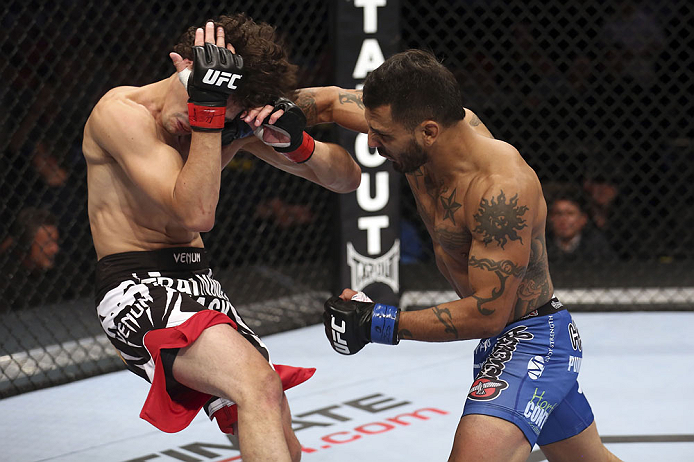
[282,142]
[333,104]
[346,108]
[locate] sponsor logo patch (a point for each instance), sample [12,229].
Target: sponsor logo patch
[536,366]
[487,386]
[484,389]
[538,410]
[575,337]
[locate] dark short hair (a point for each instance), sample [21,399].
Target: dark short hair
[268,72]
[573,195]
[417,87]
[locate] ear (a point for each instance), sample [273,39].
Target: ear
[430,131]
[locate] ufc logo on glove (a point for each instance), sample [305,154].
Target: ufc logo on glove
[351,324]
[339,344]
[217,78]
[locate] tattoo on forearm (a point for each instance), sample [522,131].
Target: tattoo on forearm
[502,269]
[306,100]
[352,98]
[499,220]
[405,334]
[444,316]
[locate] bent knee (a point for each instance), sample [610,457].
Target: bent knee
[263,387]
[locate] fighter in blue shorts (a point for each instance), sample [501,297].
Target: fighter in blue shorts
[528,375]
[484,208]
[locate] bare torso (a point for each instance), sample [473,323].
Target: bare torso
[122,217]
[450,215]
[152,184]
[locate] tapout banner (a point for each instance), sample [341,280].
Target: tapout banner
[367,31]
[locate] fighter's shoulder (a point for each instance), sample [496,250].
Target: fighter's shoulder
[118,107]
[474,121]
[510,179]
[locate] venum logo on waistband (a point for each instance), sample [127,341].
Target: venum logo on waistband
[365,270]
[187,257]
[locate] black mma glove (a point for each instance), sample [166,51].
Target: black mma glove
[235,130]
[291,124]
[349,325]
[217,73]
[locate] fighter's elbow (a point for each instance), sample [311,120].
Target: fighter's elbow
[201,222]
[205,225]
[348,182]
[353,180]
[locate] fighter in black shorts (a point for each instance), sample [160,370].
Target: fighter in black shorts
[154,158]
[151,304]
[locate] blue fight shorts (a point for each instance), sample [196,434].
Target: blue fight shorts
[528,375]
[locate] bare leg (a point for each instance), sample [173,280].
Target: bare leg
[584,447]
[290,437]
[222,363]
[483,437]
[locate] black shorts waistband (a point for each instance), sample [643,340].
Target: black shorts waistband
[168,259]
[113,268]
[552,306]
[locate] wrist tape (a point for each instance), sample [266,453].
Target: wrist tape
[384,324]
[206,118]
[304,151]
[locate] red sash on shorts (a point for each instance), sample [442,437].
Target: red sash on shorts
[173,416]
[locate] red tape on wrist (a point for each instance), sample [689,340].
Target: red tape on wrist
[206,118]
[303,152]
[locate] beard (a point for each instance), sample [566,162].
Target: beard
[410,159]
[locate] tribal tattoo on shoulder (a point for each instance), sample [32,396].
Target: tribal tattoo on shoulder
[503,269]
[306,100]
[499,220]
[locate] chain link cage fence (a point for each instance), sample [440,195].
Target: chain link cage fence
[595,95]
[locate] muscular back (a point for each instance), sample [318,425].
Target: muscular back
[481,222]
[123,216]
